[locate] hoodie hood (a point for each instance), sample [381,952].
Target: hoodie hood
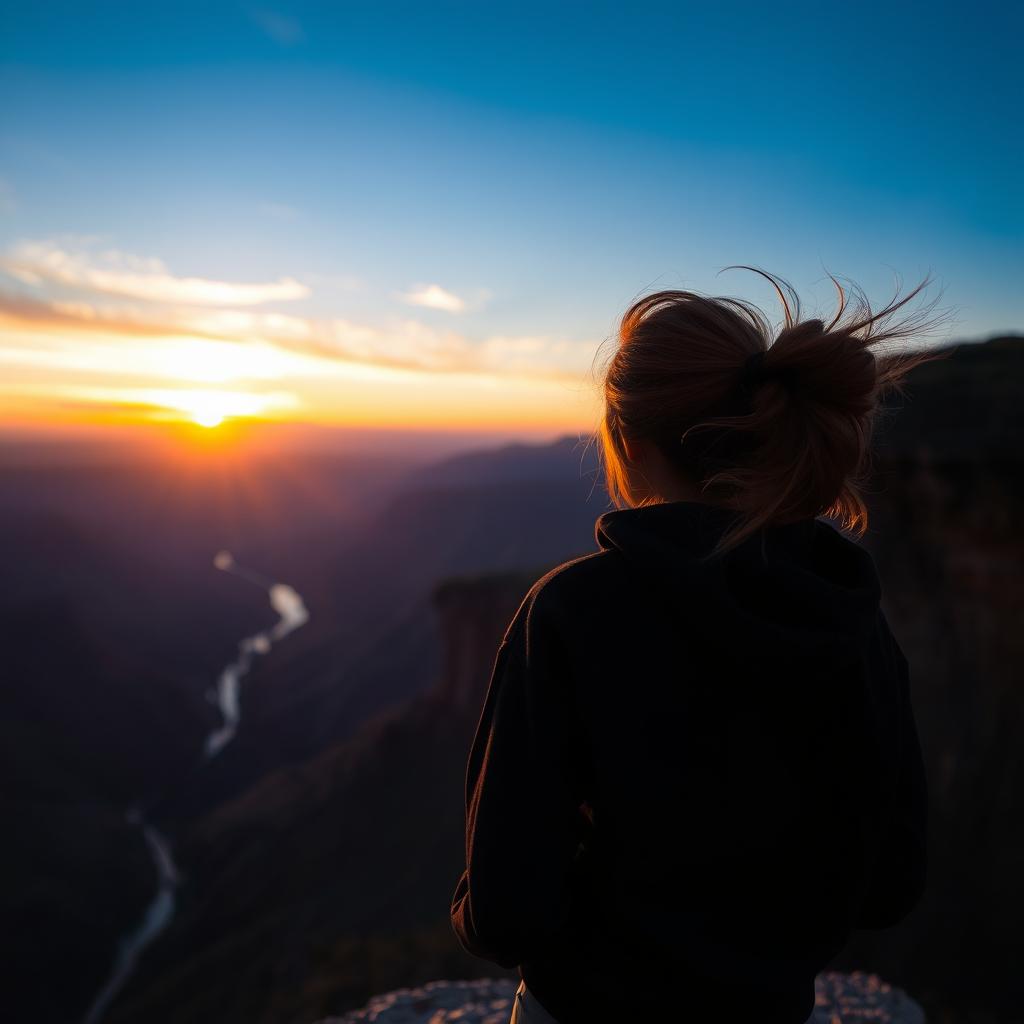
[796,592]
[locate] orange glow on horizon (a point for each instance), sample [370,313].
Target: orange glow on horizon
[430,403]
[60,380]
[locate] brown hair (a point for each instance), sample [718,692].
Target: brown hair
[777,437]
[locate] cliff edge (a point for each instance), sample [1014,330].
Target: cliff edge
[838,997]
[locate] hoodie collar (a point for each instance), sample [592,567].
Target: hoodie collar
[794,588]
[690,527]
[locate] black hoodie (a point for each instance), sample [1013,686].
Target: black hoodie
[691,780]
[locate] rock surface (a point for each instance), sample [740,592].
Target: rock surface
[839,998]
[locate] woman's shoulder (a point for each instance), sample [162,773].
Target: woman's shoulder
[565,595]
[580,579]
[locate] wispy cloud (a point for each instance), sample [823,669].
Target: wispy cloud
[407,344]
[172,403]
[404,344]
[118,273]
[283,29]
[17,310]
[531,354]
[433,296]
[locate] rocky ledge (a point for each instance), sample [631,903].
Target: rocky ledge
[840,999]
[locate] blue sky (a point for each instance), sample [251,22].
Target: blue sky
[503,177]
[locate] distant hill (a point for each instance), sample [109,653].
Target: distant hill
[562,460]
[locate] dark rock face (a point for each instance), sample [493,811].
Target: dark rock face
[473,615]
[947,508]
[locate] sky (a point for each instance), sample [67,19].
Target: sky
[431,216]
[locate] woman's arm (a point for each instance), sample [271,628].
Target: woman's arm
[522,799]
[898,880]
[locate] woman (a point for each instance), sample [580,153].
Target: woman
[696,769]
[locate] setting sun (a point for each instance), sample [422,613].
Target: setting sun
[208,409]
[211,408]
[208,419]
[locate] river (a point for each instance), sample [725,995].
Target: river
[292,614]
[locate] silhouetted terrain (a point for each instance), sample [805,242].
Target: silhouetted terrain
[114,625]
[378,643]
[320,850]
[329,881]
[946,535]
[117,624]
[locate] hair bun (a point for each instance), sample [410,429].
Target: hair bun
[756,369]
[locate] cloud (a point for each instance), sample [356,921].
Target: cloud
[407,343]
[118,273]
[404,344]
[532,354]
[194,403]
[283,29]
[433,296]
[19,309]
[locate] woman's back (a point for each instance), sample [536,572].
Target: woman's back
[696,769]
[738,737]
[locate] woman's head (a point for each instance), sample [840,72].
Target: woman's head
[703,403]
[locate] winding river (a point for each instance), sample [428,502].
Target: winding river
[292,614]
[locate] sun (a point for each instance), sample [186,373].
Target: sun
[210,409]
[207,419]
